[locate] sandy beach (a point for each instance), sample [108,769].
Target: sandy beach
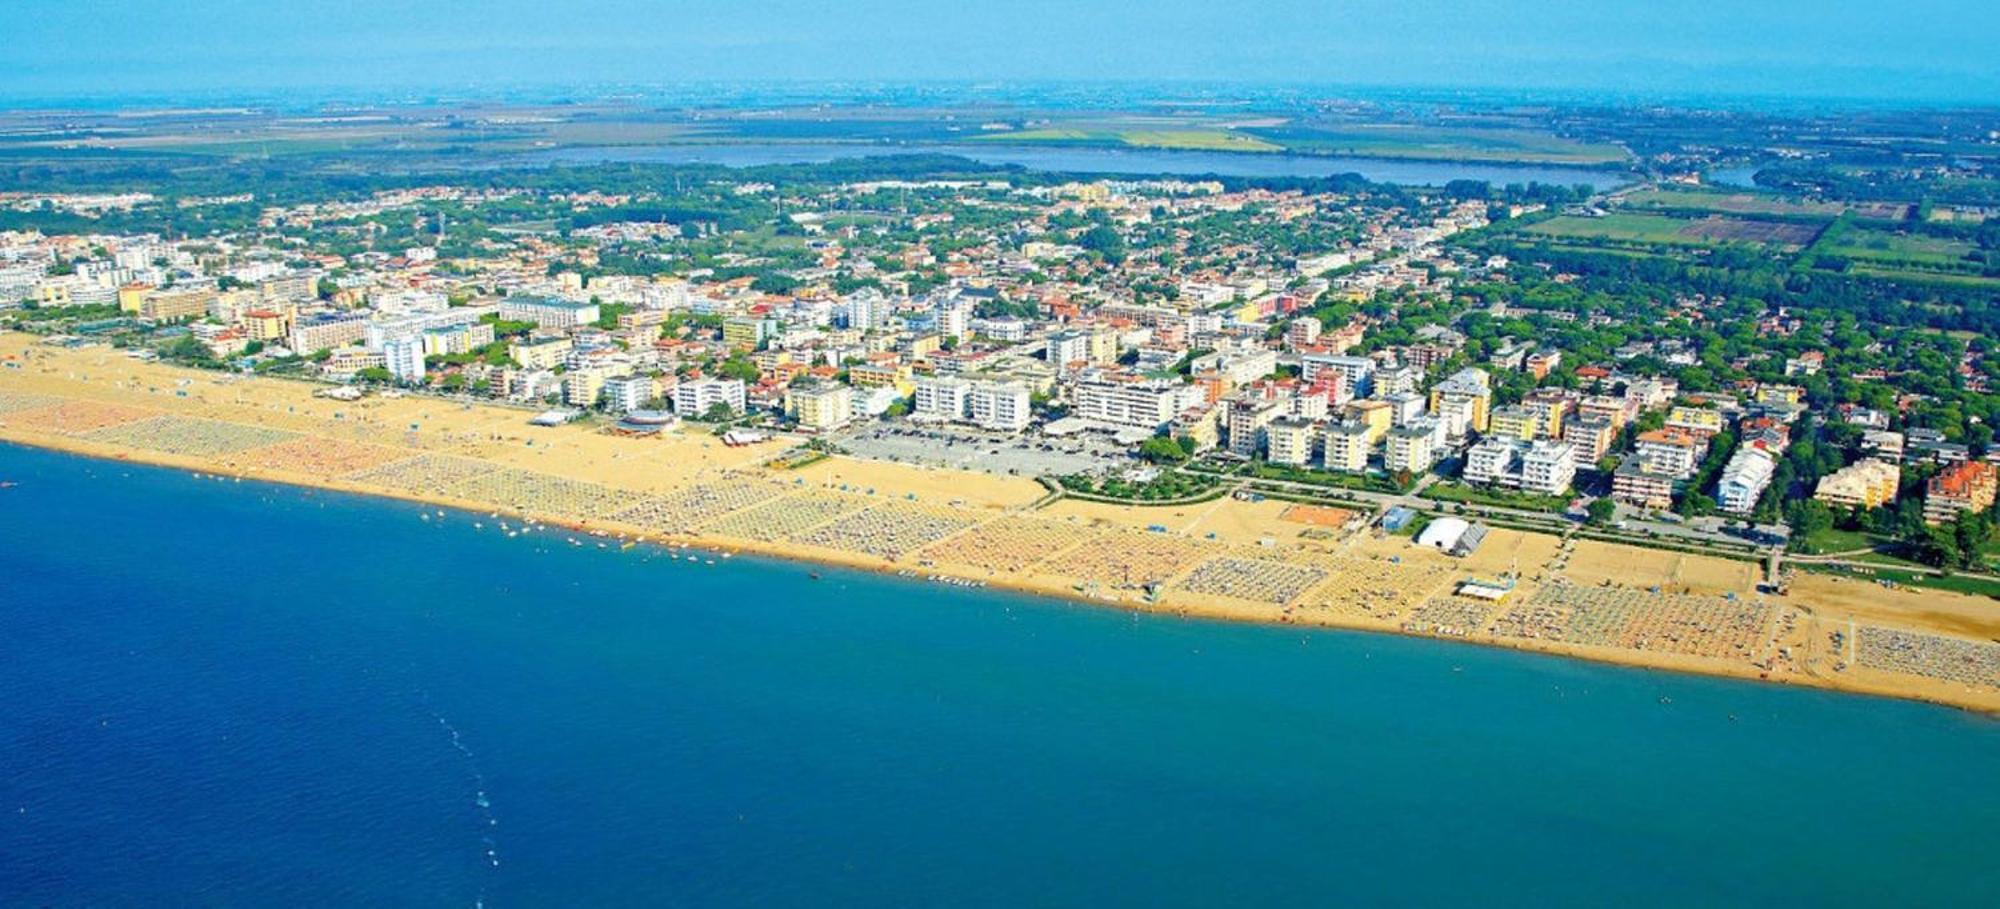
[1225,559]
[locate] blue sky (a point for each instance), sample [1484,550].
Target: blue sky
[1929,50]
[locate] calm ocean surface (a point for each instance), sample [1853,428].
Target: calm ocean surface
[237,693]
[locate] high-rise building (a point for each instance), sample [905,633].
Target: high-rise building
[404,358]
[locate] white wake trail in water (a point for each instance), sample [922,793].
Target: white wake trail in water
[480,800]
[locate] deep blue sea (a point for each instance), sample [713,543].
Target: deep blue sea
[244,694]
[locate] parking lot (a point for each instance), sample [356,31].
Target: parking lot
[1027,454]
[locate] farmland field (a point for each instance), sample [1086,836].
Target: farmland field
[1891,247]
[1670,231]
[1186,139]
[1442,142]
[1729,203]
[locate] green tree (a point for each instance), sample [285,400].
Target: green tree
[1163,450]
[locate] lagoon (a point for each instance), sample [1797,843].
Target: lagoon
[1087,160]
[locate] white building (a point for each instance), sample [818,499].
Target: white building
[624,394]
[1001,406]
[326,332]
[1066,347]
[405,359]
[1548,467]
[1004,406]
[548,313]
[1542,467]
[1744,479]
[1140,405]
[942,398]
[1358,372]
[1248,418]
[697,397]
[381,331]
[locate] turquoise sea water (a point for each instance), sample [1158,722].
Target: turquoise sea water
[245,694]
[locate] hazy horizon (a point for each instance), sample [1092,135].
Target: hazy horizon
[1925,52]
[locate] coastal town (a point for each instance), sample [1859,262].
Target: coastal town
[877,453]
[1351,405]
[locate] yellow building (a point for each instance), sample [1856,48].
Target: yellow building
[267,324]
[1591,439]
[582,387]
[923,346]
[1552,413]
[1377,416]
[1863,484]
[1470,388]
[882,375]
[1516,423]
[742,331]
[820,408]
[1699,421]
[1103,346]
[175,305]
[132,296]
[1347,447]
[540,353]
[1779,394]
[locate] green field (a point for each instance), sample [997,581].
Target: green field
[1182,139]
[1634,228]
[1730,203]
[1398,140]
[1892,248]
[1665,230]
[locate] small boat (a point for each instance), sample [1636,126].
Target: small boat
[8,484]
[814,575]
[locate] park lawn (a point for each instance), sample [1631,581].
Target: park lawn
[1835,540]
[1328,478]
[1499,498]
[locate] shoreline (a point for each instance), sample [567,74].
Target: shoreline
[726,547]
[1094,554]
